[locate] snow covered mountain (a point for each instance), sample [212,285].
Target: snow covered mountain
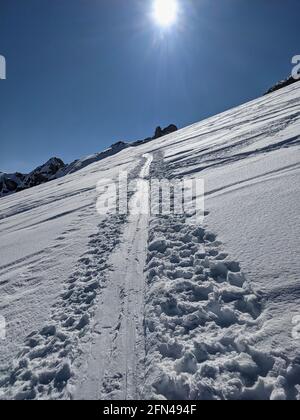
[283,83]
[11,183]
[55,168]
[145,306]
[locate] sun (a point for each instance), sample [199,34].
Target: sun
[165,12]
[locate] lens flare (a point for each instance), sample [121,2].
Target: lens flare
[165,12]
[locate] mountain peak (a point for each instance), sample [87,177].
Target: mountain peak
[10,183]
[56,168]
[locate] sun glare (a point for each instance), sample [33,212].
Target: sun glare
[165,12]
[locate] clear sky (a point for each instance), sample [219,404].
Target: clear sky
[82,74]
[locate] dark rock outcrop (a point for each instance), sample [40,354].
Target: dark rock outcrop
[282,84]
[159,132]
[10,183]
[43,173]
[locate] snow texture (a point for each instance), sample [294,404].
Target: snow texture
[144,306]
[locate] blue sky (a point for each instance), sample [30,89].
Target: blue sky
[82,74]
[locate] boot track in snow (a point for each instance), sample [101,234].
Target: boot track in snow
[154,309]
[100,312]
[203,320]
[115,369]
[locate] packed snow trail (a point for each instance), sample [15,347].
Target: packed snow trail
[115,367]
[46,366]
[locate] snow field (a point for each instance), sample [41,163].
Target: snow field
[160,307]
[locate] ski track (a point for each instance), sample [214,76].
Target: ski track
[177,320]
[115,368]
[46,366]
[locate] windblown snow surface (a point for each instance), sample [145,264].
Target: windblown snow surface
[156,307]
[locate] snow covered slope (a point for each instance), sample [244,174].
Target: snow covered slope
[55,168]
[142,306]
